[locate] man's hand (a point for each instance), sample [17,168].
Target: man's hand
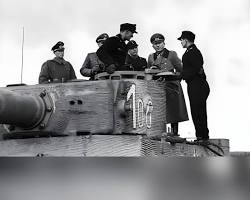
[160,79]
[154,67]
[201,71]
[111,69]
[95,69]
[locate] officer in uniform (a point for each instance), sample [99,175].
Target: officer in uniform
[197,86]
[133,59]
[92,64]
[57,69]
[168,61]
[114,51]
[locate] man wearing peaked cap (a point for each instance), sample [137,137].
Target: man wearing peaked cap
[136,62]
[132,45]
[92,64]
[59,46]
[101,39]
[129,27]
[197,86]
[57,69]
[187,35]
[114,51]
[157,38]
[168,61]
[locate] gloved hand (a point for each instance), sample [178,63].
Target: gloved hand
[154,67]
[180,77]
[95,69]
[111,69]
[160,79]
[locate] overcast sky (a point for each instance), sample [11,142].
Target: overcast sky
[222,29]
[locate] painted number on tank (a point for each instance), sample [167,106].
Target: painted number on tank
[138,109]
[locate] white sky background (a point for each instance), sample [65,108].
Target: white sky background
[222,29]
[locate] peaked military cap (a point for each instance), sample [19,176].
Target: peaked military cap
[128,27]
[132,44]
[187,35]
[157,38]
[59,46]
[102,37]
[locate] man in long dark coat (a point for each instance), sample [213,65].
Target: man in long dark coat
[168,61]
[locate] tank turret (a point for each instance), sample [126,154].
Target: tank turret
[121,103]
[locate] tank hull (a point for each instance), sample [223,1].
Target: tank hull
[106,146]
[123,114]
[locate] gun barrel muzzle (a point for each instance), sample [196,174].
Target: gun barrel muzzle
[25,111]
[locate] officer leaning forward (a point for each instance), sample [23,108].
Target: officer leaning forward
[136,62]
[114,51]
[58,69]
[92,64]
[197,86]
[168,61]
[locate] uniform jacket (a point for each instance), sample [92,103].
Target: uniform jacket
[56,70]
[91,61]
[138,63]
[192,63]
[197,88]
[113,51]
[169,61]
[166,60]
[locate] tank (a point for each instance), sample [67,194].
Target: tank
[123,114]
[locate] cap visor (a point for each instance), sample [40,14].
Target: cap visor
[100,40]
[179,38]
[60,50]
[132,47]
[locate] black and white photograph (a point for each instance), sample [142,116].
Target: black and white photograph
[126,80]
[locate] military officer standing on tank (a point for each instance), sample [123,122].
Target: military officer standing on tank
[114,51]
[197,86]
[168,61]
[57,69]
[92,64]
[133,59]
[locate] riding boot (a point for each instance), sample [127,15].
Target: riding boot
[174,127]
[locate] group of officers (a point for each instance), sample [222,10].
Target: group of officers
[114,54]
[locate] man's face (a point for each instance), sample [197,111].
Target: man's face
[100,44]
[159,46]
[59,53]
[184,43]
[128,35]
[133,52]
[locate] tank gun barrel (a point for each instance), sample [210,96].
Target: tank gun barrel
[20,110]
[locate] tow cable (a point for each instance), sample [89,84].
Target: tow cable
[176,139]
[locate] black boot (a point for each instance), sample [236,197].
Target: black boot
[174,127]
